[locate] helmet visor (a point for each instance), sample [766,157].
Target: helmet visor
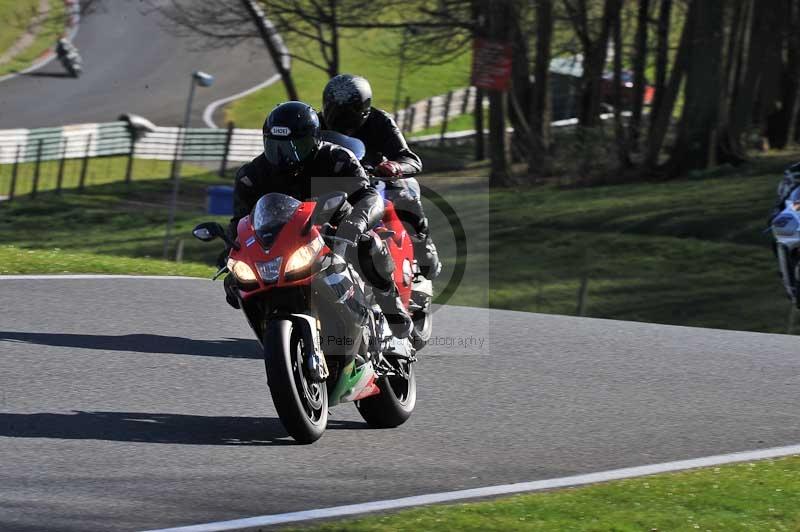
[346,118]
[286,152]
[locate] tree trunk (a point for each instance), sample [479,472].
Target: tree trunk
[272,42]
[662,57]
[521,86]
[639,65]
[594,62]
[499,174]
[735,25]
[695,148]
[667,96]
[539,155]
[623,153]
[480,141]
[780,123]
[744,107]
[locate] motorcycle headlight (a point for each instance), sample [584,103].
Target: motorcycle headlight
[269,271]
[304,256]
[241,271]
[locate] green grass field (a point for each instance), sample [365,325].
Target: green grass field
[13,14]
[687,252]
[366,53]
[748,496]
[99,171]
[111,227]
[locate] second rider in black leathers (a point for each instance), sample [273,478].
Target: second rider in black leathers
[347,108]
[297,163]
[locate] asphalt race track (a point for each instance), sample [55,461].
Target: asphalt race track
[132,64]
[130,404]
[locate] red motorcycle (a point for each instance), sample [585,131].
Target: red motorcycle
[325,340]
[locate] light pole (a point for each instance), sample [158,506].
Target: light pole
[204,80]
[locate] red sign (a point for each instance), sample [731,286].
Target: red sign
[491,64]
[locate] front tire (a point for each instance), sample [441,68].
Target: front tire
[395,404]
[302,404]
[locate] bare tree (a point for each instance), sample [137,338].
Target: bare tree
[228,23]
[639,66]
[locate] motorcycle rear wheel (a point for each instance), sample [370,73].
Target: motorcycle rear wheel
[302,404]
[395,404]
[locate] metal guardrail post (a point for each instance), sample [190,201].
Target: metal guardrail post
[176,168]
[480,143]
[447,100]
[465,100]
[131,150]
[85,165]
[407,113]
[37,167]
[228,137]
[14,171]
[60,179]
[428,109]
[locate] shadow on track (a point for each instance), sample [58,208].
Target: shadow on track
[47,74]
[142,343]
[153,428]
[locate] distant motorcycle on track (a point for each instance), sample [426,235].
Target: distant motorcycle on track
[69,57]
[325,340]
[785,228]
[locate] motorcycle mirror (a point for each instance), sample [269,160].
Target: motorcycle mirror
[327,205]
[202,233]
[208,231]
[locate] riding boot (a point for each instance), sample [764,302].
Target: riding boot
[399,321]
[426,255]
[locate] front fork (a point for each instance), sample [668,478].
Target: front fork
[788,272]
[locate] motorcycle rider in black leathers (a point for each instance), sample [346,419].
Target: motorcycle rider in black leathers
[297,163]
[347,108]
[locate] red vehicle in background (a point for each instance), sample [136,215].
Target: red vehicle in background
[628,92]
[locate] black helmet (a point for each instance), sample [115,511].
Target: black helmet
[346,103]
[291,135]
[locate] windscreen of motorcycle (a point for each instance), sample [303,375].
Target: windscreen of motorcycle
[270,215]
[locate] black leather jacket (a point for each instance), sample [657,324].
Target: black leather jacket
[383,138]
[333,169]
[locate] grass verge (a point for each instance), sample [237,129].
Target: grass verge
[99,171]
[109,228]
[366,53]
[688,252]
[748,496]
[48,33]
[15,15]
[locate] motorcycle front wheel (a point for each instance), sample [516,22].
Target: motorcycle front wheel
[302,404]
[395,404]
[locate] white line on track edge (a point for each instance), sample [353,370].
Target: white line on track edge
[208,114]
[488,491]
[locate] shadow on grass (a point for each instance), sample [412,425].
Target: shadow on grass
[142,343]
[154,428]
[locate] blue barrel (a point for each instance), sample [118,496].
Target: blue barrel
[220,200]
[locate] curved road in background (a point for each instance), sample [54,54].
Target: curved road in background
[129,404]
[132,64]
